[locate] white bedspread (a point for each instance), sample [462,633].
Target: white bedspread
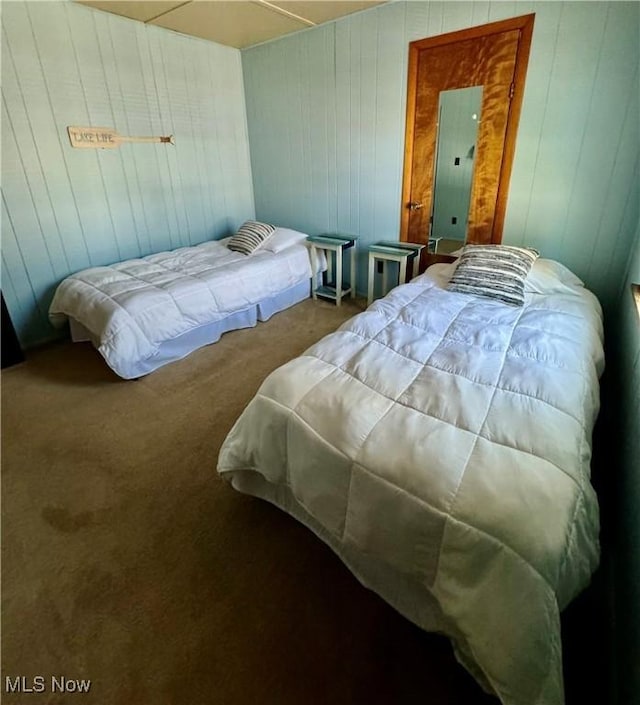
[132,307]
[442,442]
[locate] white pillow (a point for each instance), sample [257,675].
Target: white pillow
[283,238]
[547,276]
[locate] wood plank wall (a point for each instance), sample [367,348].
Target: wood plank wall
[65,209]
[326,111]
[622,405]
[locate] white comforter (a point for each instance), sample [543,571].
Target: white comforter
[440,443]
[132,307]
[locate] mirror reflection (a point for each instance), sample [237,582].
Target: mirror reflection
[458,120]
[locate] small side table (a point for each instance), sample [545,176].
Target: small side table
[400,252]
[332,288]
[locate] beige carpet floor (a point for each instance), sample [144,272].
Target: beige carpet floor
[127,561]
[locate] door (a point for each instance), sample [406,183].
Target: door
[492,57]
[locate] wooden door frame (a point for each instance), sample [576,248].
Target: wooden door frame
[524,24]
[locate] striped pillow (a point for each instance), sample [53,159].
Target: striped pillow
[494,271]
[250,237]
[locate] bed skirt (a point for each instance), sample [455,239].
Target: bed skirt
[183,345]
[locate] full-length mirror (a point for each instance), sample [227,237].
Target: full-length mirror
[456,176]
[457,135]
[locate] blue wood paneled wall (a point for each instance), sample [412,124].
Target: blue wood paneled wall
[66,209]
[326,111]
[624,423]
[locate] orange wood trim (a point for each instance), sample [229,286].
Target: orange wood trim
[502,49]
[635,292]
[412,87]
[474,32]
[522,23]
[520,73]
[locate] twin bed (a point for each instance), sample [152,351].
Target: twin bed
[439,442]
[144,313]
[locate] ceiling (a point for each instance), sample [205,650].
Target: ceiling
[236,23]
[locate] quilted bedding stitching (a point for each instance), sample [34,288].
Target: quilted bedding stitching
[543,678]
[181,275]
[421,500]
[367,341]
[482,425]
[131,311]
[456,373]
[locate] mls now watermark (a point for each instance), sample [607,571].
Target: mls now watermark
[42,684]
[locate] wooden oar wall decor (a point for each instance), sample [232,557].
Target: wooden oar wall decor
[106,138]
